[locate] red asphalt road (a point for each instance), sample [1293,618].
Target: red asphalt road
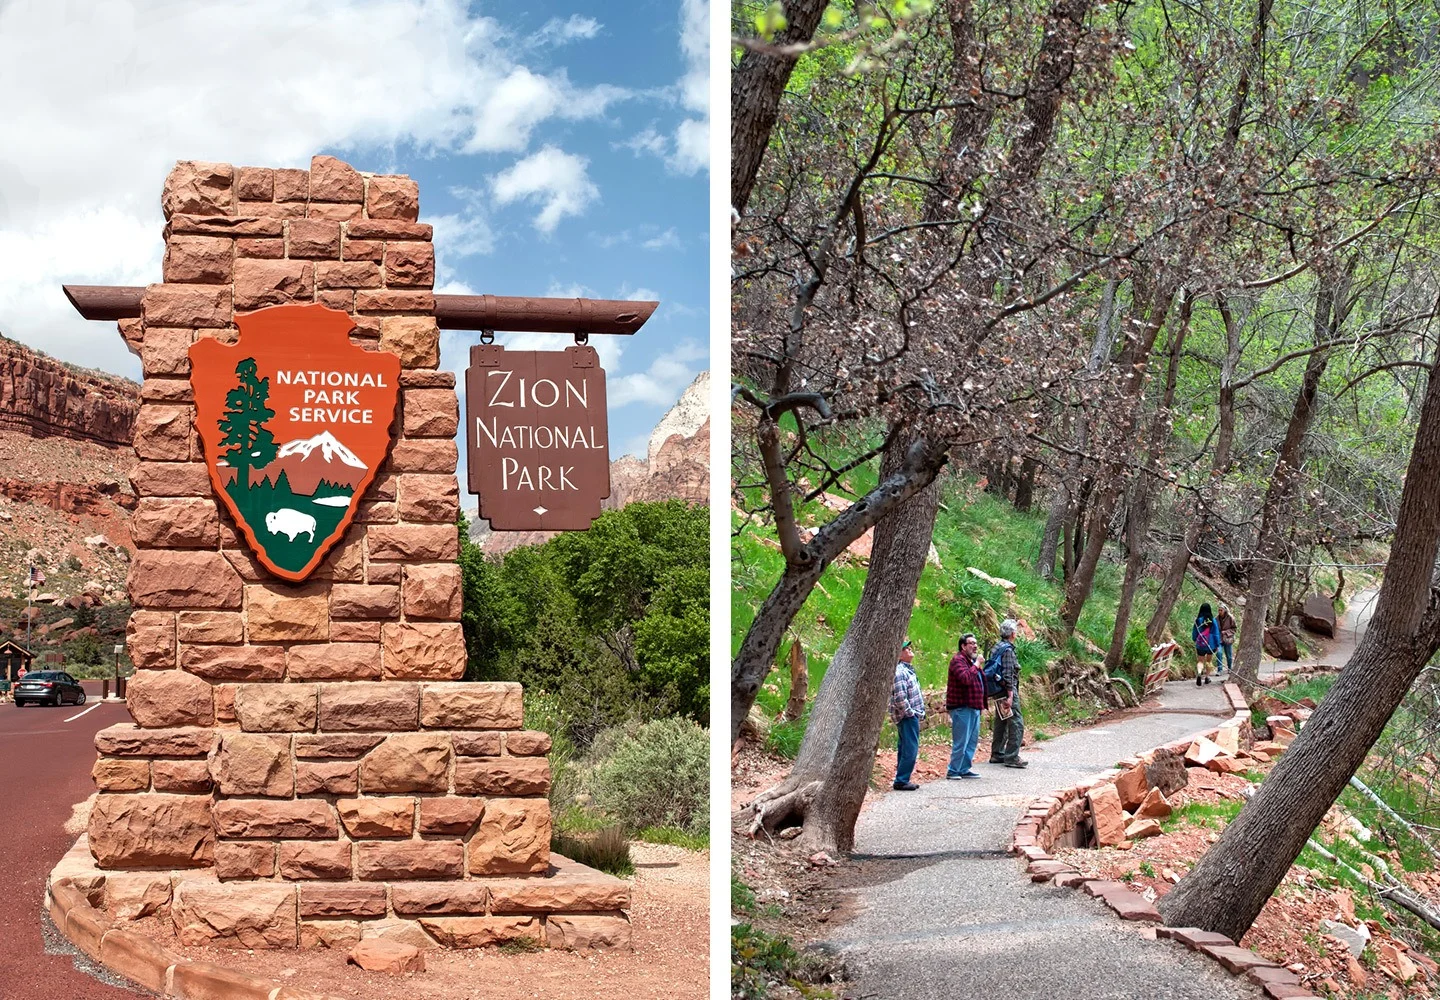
[44,770]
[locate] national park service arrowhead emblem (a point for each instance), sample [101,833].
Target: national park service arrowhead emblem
[295,421]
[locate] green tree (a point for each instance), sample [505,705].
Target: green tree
[246,443]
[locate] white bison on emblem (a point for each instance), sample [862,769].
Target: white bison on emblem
[290,522]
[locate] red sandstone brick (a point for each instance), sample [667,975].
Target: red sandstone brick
[170,479]
[166,390]
[207,981]
[472,705]
[333,211]
[249,819]
[85,926]
[221,225]
[434,499]
[423,650]
[261,283]
[267,249]
[234,663]
[450,815]
[414,339]
[383,574]
[244,859]
[527,743]
[314,238]
[477,744]
[430,412]
[410,859]
[502,776]
[175,524]
[351,899]
[390,706]
[166,351]
[255,183]
[392,197]
[347,274]
[350,631]
[372,250]
[124,739]
[432,591]
[393,300]
[334,661]
[414,899]
[414,542]
[390,229]
[328,860]
[342,299]
[198,188]
[162,433]
[189,776]
[424,455]
[202,260]
[210,627]
[111,774]
[332,179]
[292,185]
[330,745]
[272,210]
[178,579]
[137,958]
[409,265]
[327,777]
[376,512]
[349,600]
[420,378]
[150,639]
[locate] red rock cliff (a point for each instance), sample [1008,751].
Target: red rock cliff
[41,397]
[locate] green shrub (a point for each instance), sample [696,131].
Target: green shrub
[1136,654]
[607,850]
[657,774]
[757,957]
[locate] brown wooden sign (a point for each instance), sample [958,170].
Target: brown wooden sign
[539,446]
[295,420]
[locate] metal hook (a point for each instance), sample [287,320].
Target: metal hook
[581,339]
[487,336]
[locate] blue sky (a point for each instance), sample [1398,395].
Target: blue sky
[560,149]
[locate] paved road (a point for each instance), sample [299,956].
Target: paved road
[44,770]
[954,916]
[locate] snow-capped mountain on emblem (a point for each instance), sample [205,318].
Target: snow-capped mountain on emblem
[311,461]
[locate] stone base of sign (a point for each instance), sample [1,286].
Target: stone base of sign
[567,906]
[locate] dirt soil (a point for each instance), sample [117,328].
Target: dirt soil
[670,923]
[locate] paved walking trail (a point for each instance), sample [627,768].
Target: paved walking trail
[959,917]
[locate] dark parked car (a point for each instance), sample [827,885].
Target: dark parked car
[49,687]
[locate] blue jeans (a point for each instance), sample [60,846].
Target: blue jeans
[909,749]
[964,734]
[1225,657]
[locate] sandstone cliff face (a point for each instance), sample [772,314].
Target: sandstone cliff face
[43,398]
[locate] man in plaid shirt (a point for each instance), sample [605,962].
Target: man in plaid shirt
[964,700]
[907,708]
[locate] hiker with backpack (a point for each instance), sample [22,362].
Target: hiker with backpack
[907,708]
[1225,655]
[1002,684]
[964,700]
[1206,635]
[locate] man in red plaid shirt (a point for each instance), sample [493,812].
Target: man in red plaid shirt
[964,700]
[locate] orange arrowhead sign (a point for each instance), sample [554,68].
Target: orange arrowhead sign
[295,422]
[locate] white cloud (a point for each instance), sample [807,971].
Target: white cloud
[557,180]
[686,149]
[573,28]
[663,382]
[515,105]
[646,142]
[692,147]
[668,239]
[641,294]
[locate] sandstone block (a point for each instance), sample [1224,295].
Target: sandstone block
[267,249]
[375,512]
[292,185]
[477,744]
[1166,771]
[502,776]
[1109,820]
[150,639]
[277,708]
[592,931]
[392,196]
[561,893]
[196,188]
[415,339]
[426,378]
[371,706]
[424,455]
[341,935]
[409,265]
[1132,786]
[236,915]
[383,574]
[355,600]
[255,819]
[353,899]
[429,498]
[163,433]
[126,740]
[166,351]
[137,958]
[234,663]
[418,762]
[183,579]
[85,927]
[334,661]
[276,613]
[255,183]
[112,774]
[414,899]
[372,250]
[335,180]
[392,957]
[1142,828]
[390,229]
[315,860]
[513,837]
[430,412]
[334,211]
[346,275]
[170,479]
[261,282]
[314,238]
[151,831]
[190,305]
[212,981]
[482,932]
[199,259]
[159,698]
[350,631]
[527,743]
[249,764]
[472,705]
[166,390]
[244,859]
[410,859]
[222,225]
[1154,806]
[450,815]
[405,300]
[378,817]
[327,777]
[432,591]
[181,775]
[428,650]
[345,563]
[331,745]
[210,626]
[133,895]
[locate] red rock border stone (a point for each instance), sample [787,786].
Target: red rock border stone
[1058,815]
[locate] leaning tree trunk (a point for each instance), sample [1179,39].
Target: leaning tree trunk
[756,85]
[1227,889]
[1330,309]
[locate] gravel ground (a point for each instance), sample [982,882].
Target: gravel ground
[959,918]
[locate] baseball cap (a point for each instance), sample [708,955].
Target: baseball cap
[905,644]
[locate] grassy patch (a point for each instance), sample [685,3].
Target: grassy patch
[758,958]
[1214,815]
[607,850]
[520,946]
[742,897]
[675,837]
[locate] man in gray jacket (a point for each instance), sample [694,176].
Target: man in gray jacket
[1005,742]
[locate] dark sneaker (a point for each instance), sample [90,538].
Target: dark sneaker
[1017,763]
[969,774]
[1207,680]
[1199,680]
[953,777]
[908,786]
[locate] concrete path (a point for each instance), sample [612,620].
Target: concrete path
[951,915]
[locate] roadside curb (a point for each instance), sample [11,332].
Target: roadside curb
[145,963]
[1058,814]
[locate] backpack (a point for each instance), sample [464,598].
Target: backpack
[994,682]
[1205,638]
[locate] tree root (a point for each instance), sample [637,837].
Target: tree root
[775,809]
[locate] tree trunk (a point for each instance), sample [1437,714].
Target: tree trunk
[1025,486]
[799,682]
[756,85]
[1234,879]
[1331,307]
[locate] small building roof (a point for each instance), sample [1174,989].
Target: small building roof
[10,648]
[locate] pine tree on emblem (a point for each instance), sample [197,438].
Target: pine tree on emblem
[246,443]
